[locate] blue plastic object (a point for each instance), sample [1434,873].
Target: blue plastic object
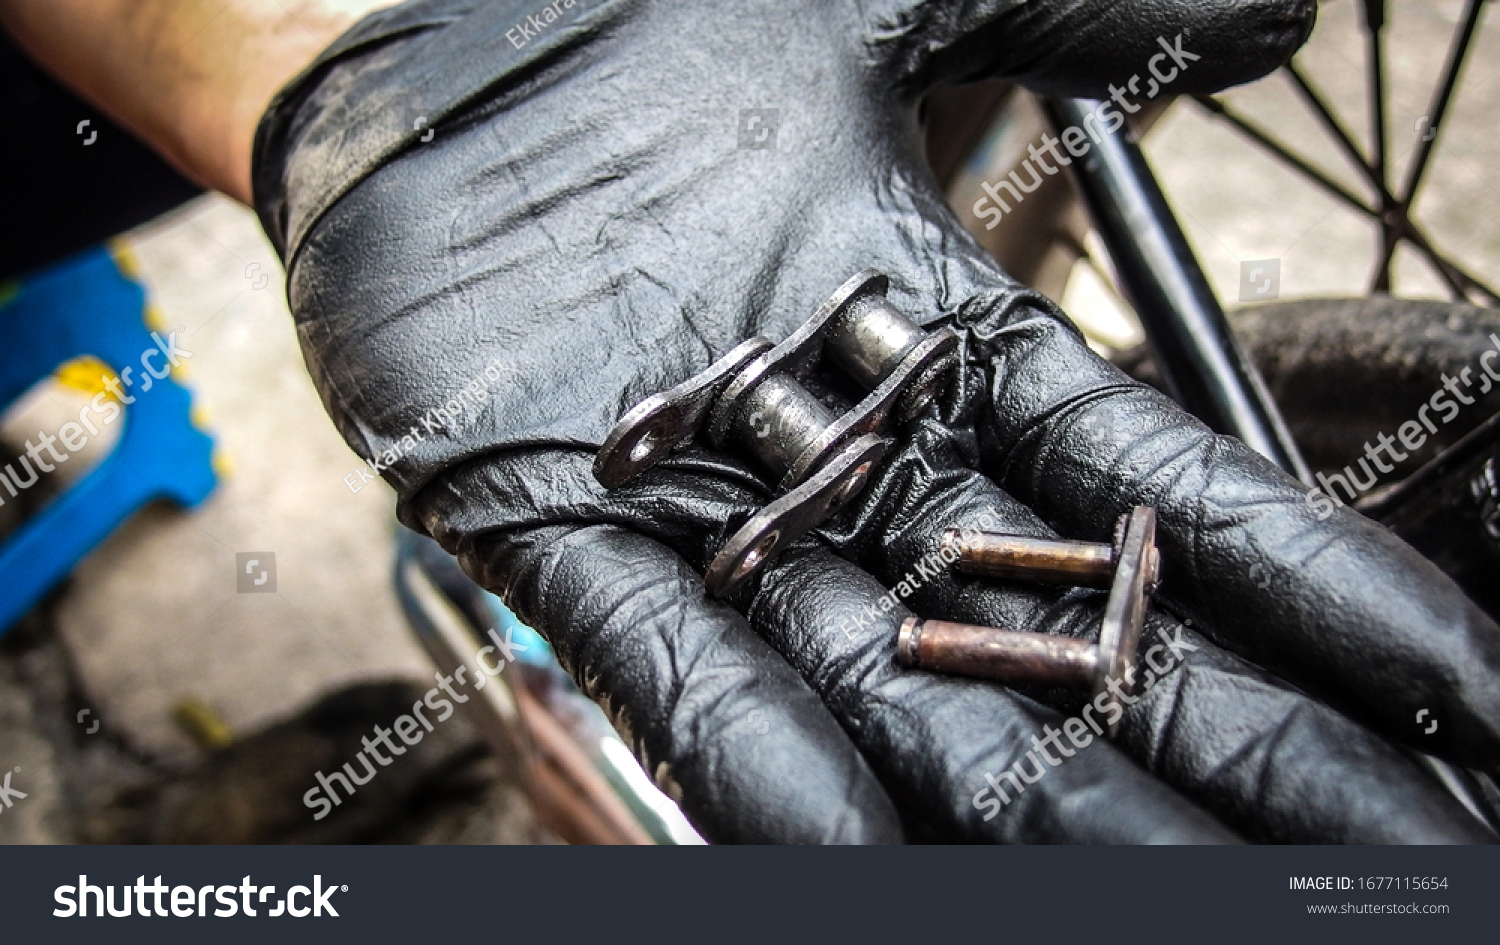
[82,306]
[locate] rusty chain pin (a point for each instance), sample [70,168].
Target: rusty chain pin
[1129,567]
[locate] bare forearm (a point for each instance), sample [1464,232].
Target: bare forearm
[190,77]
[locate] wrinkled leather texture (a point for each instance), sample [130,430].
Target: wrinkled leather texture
[583,224]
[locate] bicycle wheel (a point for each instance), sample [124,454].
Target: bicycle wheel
[1346,372]
[1243,206]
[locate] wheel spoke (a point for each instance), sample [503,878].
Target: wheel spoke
[1463,40]
[1336,129]
[1458,50]
[1375,98]
[1458,281]
[1393,213]
[1260,137]
[1375,64]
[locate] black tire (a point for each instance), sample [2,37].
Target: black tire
[1344,371]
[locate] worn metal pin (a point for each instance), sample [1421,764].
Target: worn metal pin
[1046,560]
[1010,657]
[1129,567]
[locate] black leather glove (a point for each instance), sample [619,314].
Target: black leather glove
[529,217]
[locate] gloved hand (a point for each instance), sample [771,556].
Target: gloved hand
[529,217]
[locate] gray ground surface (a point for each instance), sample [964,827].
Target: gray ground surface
[153,617]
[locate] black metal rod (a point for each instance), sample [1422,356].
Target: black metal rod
[1203,365]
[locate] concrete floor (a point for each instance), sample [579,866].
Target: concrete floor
[153,617]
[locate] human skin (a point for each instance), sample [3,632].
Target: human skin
[189,77]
